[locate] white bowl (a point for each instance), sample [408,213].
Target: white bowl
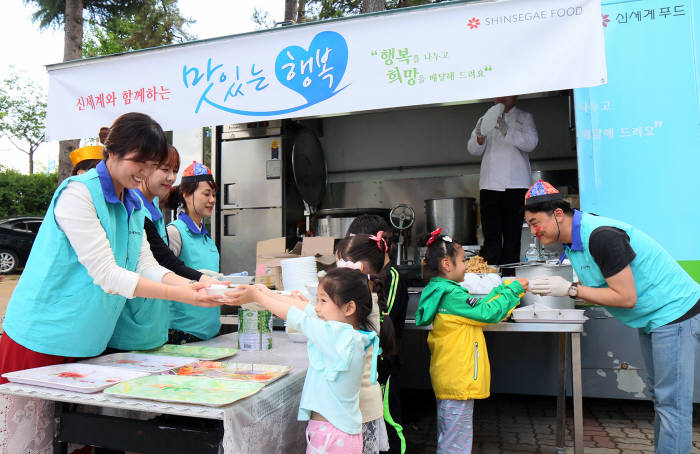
[217,289]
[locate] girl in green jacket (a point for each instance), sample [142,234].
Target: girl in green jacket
[459,365]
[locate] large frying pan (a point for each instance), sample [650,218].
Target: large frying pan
[309,168]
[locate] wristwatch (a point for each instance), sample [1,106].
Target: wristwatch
[573,290]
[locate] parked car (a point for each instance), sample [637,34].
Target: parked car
[16,239]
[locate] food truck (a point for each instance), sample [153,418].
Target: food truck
[316,123]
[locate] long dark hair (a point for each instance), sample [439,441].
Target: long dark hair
[363,248]
[138,132]
[436,251]
[175,197]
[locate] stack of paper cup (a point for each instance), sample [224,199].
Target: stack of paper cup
[297,272]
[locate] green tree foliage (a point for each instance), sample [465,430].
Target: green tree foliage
[51,13]
[154,23]
[22,113]
[25,195]
[328,9]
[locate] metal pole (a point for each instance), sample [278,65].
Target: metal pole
[576,392]
[561,396]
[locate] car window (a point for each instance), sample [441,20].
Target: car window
[19,225]
[33,226]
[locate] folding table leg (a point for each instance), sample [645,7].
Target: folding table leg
[576,392]
[561,396]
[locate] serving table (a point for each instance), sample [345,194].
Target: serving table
[263,422]
[564,332]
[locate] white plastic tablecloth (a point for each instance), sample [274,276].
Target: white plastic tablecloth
[265,422]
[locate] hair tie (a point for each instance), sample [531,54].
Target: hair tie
[435,234]
[348,264]
[378,238]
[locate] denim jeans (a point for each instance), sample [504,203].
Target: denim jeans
[669,352]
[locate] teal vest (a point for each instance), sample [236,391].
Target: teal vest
[143,323]
[56,308]
[664,290]
[198,252]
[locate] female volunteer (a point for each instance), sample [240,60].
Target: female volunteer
[190,241]
[143,324]
[90,256]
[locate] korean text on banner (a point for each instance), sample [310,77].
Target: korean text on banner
[447,53]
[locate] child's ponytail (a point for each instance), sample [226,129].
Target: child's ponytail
[387,335]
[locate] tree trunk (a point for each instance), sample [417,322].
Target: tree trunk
[370,6]
[72,50]
[301,11]
[290,10]
[31,161]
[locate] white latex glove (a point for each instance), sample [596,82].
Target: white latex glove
[501,125]
[490,118]
[550,286]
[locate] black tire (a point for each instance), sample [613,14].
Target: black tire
[9,262]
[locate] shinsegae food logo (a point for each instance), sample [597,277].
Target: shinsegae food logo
[525,16]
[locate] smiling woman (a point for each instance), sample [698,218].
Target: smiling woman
[189,240]
[90,256]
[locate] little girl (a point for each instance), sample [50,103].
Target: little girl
[339,332]
[367,253]
[459,364]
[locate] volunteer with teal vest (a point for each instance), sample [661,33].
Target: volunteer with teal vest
[190,241]
[89,256]
[641,285]
[143,323]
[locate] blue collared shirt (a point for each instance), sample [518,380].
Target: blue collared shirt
[155,212]
[131,200]
[184,217]
[576,243]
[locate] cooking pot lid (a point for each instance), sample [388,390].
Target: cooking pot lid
[309,167]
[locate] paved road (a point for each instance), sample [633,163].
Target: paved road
[526,424]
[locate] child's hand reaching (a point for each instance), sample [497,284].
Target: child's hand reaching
[243,294]
[296,294]
[523,282]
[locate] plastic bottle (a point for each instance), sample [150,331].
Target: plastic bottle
[531,255]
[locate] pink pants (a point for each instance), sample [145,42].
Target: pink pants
[324,437]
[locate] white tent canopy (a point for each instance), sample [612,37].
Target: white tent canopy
[449,53]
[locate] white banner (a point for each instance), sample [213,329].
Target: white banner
[443,54]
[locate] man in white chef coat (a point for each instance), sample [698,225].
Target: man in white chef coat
[503,136]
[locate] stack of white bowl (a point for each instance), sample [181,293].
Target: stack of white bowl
[298,272]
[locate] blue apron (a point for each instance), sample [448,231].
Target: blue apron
[56,309]
[143,323]
[664,290]
[198,252]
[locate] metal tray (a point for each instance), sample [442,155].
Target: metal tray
[256,373]
[188,390]
[78,377]
[151,364]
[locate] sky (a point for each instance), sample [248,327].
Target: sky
[32,49]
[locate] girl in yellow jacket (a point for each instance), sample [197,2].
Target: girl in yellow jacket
[459,364]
